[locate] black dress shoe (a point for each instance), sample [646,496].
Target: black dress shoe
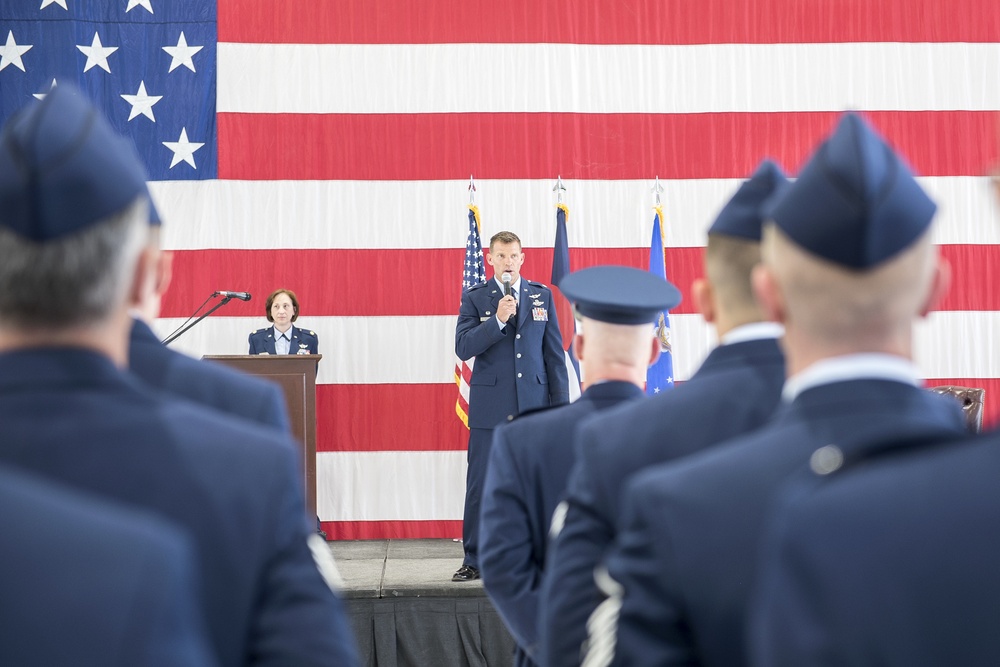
[466,573]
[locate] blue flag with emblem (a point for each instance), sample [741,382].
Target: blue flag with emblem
[564,311]
[660,376]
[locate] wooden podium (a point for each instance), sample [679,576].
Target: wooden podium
[296,375]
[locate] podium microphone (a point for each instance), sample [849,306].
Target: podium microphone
[506,284]
[242,296]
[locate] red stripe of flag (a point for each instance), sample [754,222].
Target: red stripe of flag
[391,530]
[197,273]
[352,417]
[437,146]
[608,21]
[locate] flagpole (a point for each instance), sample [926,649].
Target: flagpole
[559,189]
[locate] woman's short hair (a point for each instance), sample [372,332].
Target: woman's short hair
[274,295]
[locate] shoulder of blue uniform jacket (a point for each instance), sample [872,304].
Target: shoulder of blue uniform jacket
[478,286]
[535,283]
[260,331]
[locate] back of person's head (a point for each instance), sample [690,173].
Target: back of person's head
[74,281]
[833,304]
[617,306]
[849,243]
[729,263]
[623,345]
[73,215]
[733,250]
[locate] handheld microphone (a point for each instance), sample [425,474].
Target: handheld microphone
[506,284]
[242,296]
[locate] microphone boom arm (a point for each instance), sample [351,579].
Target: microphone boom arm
[175,336]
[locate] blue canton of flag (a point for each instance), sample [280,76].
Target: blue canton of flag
[150,65]
[660,375]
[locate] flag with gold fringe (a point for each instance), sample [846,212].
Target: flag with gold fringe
[660,376]
[473,273]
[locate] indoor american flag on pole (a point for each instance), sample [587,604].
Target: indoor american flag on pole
[473,273]
[343,128]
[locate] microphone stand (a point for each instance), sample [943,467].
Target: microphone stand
[170,339]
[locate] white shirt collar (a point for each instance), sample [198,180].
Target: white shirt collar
[753,331]
[286,334]
[515,288]
[870,366]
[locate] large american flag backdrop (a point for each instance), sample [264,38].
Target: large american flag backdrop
[326,146]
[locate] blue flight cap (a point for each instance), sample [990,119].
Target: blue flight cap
[62,168]
[856,203]
[619,294]
[742,216]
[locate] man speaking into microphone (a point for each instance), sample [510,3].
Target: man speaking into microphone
[509,325]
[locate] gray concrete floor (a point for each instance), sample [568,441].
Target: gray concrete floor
[402,568]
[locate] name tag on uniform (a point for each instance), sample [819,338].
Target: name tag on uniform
[483,319]
[540,314]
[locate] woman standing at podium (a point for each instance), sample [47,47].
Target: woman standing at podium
[282,309]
